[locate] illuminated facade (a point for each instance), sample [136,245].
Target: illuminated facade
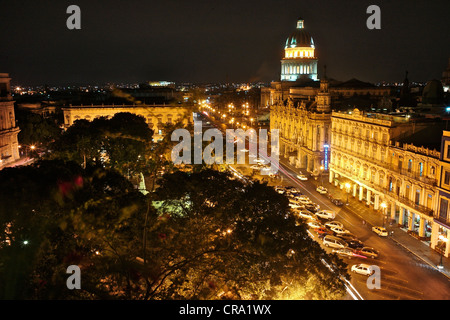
[299,59]
[304,130]
[156,116]
[369,161]
[9,146]
[441,226]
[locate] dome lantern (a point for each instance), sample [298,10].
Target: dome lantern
[299,55]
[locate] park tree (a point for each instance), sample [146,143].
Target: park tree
[55,214]
[122,143]
[35,129]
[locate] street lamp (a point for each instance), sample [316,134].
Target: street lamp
[347,186]
[383,205]
[445,240]
[321,174]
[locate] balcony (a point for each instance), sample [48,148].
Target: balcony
[389,166]
[442,220]
[422,209]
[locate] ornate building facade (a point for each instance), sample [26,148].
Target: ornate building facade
[304,130]
[156,116]
[369,158]
[9,146]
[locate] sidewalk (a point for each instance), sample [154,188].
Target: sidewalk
[374,218]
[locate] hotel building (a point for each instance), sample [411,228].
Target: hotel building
[372,159]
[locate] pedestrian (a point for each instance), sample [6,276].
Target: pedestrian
[364,222]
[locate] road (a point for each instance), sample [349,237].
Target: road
[403,275]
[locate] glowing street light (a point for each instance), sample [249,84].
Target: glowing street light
[347,186]
[383,206]
[445,240]
[321,174]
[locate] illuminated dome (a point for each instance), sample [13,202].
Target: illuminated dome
[300,37]
[299,60]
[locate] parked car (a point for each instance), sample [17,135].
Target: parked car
[334,224]
[339,230]
[312,207]
[382,232]
[322,231]
[296,205]
[322,190]
[280,189]
[348,253]
[294,190]
[315,224]
[344,252]
[304,201]
[355,244]
[305,214]
[326,214]
[304,197]
[346,236]
[368,252]
[362,268]
[337,202]
[334,242]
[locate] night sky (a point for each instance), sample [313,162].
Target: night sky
[197,41]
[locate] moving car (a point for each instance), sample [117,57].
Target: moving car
[368,252]
[302,177]
[382,232]
[334,242]
[363,269]
[326,214]
[322,190]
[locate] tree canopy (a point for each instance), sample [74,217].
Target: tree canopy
[233,240]
[122,143]
[207,236]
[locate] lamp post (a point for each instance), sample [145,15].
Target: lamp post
[445,240]
[347,186]
[321,175]
[383,205]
